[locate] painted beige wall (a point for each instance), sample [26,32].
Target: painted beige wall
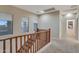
[66,34]
[17,14]
[50,20]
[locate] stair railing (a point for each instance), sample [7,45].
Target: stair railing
[28,43]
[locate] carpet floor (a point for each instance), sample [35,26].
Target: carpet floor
[62,46]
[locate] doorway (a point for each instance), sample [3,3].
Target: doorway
[71,28]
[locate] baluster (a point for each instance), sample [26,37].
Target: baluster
[37,41]
[49,35]
[35,45]
[24,40]
[10,45]
[30,49]
[33,42]
[46,38]
[27,42]
[4,48]
[16,44]
[21,42]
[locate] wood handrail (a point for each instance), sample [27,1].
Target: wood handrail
[30,40]
[22,35]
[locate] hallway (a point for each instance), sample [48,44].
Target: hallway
[22,29]
[62,46]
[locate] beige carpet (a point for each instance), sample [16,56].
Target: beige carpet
[62,46]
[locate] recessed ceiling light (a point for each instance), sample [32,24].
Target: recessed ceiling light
[41,11]
[69,15]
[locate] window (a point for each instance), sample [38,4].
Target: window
[35,26]
[6,24]
[25,24]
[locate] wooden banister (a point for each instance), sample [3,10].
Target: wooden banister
[20,41]
[32,42]
[16,47]
[24,39]
[4,48]
[10,45]
[46,37]
[49,34]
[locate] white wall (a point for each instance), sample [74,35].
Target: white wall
[63,26]
[32,20]
[78,24]
[17,17]
[50,20]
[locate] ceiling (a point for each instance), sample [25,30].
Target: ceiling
[36,8]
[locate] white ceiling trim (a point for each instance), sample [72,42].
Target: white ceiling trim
[35,8]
